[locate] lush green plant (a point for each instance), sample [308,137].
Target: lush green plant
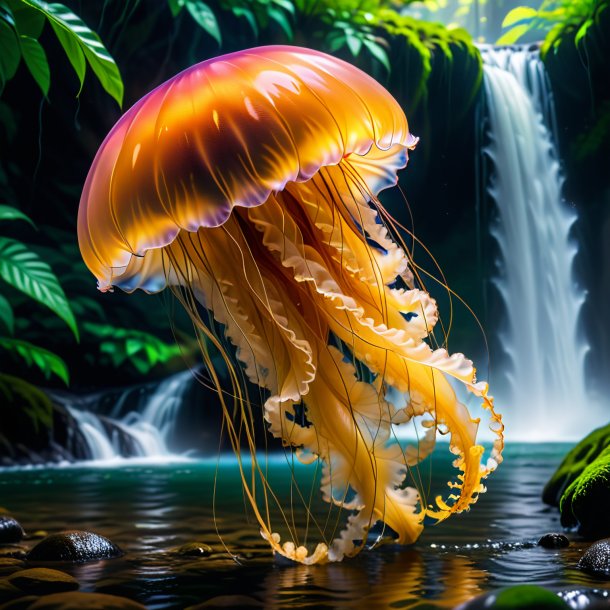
[21,25]
[258,13]
[554,19]
[143,350]
[429,39]
[22,269]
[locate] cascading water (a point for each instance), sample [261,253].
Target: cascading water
[142,432]
[545,392]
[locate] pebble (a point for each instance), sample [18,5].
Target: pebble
[554,541]
[85,601]
[10,530]
[8,565]
[41,581]
[194,549]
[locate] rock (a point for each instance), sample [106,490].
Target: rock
[586,502]
[8,565]
[8,591]
[15,551]
[574,463]
[10,530]
[596,559]
[554,541]
[85,601]
[194,549]
[519,597]
[74,546]
[40,581]
[37,535]
[21,603]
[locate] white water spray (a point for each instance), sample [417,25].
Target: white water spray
[545,395]
[147,429]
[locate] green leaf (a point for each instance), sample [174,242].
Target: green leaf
[240,11]
[36,60]
[74,53]
[10,54]
[353,42]
[23,269]
[6,314]
[513,34]
[141,349]
[28,21]
[521,13]
[175,6]
[62,19]
[8,212]
[204,16]
[379,53]
[33,355]
[28,399]
[582,31]
[280,18]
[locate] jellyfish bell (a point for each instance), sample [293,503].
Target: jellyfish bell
[248,185]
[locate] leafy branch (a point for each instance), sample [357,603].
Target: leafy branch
[21,25]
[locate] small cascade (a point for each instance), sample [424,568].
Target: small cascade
[143,431]
[545,390]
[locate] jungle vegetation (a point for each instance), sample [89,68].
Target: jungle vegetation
[67,71]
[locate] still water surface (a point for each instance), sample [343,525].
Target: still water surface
[150,509]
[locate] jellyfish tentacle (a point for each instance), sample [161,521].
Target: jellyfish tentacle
[370,322]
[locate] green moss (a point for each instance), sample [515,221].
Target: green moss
[586,502]
[527,597]
[575,463]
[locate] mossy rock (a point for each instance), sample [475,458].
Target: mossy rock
[586,502]
[574,464]
[519,597]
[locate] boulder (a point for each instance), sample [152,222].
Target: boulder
[596,559]
[586,502]
[74,546]
[583,454]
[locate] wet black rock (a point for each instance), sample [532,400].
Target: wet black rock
[74,546]
[596,559]
[84,601]
[10,530]
[554,541]
[194,549]
[42,581]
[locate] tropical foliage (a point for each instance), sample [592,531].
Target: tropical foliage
[21,25]
[53,327]
[555,20]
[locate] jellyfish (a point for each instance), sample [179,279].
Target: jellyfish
[247,185]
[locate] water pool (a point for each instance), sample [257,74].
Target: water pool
[148,509]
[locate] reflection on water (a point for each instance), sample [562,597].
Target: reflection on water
[148,510]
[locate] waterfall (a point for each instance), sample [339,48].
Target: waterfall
[545,393]
[143,431]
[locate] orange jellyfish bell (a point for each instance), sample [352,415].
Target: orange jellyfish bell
[248,185]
